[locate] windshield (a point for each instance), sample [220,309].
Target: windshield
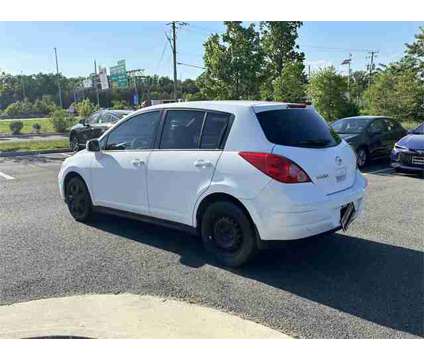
[297,127]
[350,125]
[419,130]
[119,115]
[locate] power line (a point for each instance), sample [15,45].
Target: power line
[191,65]
[334,48]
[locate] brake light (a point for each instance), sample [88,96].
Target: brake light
[296,106]
[276,166]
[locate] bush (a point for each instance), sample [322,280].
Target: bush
[16,127]
[61,120]
[119,105]
[13,109]
[19,108]
[84,108]
[36,127]
[45,105]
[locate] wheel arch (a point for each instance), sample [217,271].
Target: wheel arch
[71,174]
[222,196]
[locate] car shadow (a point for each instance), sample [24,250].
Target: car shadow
[374,281]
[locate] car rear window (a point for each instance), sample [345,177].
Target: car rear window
[297,127]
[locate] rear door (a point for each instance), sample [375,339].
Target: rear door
[183,166]
[304,137]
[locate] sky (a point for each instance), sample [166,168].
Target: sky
[27,47]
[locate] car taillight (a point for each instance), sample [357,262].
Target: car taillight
[276,166]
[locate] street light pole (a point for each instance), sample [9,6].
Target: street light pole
[58,79]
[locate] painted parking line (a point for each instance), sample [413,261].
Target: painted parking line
[379,171]
[7,177]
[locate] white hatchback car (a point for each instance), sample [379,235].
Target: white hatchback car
[239,173]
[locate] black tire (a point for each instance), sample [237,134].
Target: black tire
[78,199]
[228,234]
[73,143]
[362,157]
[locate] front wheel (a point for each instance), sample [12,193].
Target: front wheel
[78,199]
[361,157]
[228,234]
[73,143]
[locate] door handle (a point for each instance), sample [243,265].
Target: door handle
[137,162]
[202,163]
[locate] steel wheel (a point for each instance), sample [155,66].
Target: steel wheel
[78,199]
[227,234]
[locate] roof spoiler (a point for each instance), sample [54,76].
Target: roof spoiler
[298,105]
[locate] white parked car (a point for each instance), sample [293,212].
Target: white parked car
[239,173]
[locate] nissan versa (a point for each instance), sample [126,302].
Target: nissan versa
[239,173]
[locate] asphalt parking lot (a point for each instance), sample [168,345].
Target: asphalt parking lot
[366,283]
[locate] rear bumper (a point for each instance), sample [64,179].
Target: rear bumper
[304,213]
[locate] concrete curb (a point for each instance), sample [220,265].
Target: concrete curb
[28,135]
[124,316]
[22,153]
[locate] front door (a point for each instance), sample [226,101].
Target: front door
[183,166]
[118,172]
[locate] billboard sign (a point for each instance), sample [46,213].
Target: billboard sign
[118,75]
[87,83]
[104,83]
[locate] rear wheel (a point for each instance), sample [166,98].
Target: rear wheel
[362,157]
[228,234]
[78,199]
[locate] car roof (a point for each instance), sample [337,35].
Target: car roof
[222,105]
[367,117]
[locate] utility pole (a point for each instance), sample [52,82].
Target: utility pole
[58,79]
[348,62]
[174,57]
[373,53]
[96,84]
[174,50]
[23,86]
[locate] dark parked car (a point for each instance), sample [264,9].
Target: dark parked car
[371,137]
[93,127]
[408,152]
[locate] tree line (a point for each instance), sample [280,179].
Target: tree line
[260,62]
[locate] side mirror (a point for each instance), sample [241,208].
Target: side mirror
[93,145]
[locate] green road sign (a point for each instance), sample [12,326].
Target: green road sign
[118,75]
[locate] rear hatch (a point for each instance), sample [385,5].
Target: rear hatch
[303,136]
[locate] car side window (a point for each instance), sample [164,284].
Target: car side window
[377,125]
[137,133]
[182,129]
[213,130]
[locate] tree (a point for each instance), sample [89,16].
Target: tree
[290,85]
[397,92]
[279,48]
[415,53]
[233,63]
[328,91]
[398,89]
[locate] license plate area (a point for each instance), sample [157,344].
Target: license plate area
[347,213]
[417,160]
